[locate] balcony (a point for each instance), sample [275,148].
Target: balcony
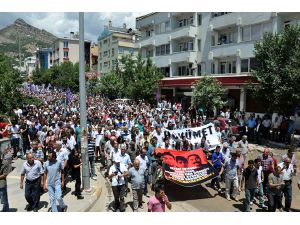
[148,41]
[189,31]
[244,50]
[188,56]
[221,22]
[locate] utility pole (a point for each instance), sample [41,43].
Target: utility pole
[83,120]
[19,52]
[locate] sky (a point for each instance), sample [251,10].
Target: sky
[61,24]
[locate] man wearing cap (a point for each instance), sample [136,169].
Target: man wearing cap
[288,171]
[244,146]
[117,173]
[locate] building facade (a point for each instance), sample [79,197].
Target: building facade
[30,65]
[186,46]
[113,43]
[67,50]
[44,58]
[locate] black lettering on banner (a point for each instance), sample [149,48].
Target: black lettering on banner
[197,134]
[167,133]
[204,132]
[189,134]
[210,129]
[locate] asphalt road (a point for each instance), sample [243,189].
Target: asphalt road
[197,199]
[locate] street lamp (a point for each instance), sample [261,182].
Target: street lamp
[83,119]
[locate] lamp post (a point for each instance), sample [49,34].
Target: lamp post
[83,119]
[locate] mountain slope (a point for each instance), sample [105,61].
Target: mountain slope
[30,38]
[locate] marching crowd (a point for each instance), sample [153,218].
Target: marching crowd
[122,136]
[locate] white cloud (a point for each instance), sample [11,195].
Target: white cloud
[61,24]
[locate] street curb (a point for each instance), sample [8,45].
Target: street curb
[94,197]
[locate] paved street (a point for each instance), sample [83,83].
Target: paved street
[18,203]
[198,199]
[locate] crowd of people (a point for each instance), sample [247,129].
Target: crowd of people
[122,137]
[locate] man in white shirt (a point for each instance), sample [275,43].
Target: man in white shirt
[144,162]
[117,173]
[288,171]
[159,135]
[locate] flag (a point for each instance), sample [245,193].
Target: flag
[69,95]
[186,168]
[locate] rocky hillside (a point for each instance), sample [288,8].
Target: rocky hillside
[30,38]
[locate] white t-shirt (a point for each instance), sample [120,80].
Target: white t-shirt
[116,181]
[259,171]
[98,139]
[287,173]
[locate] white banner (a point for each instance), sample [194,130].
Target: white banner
[194,135]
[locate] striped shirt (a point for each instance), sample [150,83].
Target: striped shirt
[91,148]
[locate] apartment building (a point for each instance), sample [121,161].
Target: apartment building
[188,45]
[114,42]
[67,50]
[44,58]
[30,65]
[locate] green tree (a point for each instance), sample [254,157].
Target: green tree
[111,86]
[208,93]
[145,80]
[65,75]
[10,82]
[93,86]
[278,72]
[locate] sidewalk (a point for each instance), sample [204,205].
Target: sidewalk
[17,201]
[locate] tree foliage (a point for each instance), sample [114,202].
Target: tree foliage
[138,78]
[111,86]
[208,93]
[278,72]
[65,75]
[10,81]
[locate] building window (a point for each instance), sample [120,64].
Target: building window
[227,38]
[66,44]
[254,64]
[222,67]
[168,27]
[234,67]
[157,51]
[66,54]
[256,32]
[191,20]
[149,53]
[113,52]
[244,65]
[199,69]
[199,19]
[162,50]
[105,42]
[212,40]
[246,33]
[191,45]
[167,49]
[199,45]
[165,71]
[182,70]
[212,69]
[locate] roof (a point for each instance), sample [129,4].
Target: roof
[144,16]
